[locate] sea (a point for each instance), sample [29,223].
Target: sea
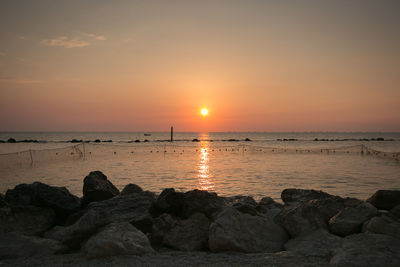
[257,164]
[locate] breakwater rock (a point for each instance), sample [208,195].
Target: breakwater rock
[308,227]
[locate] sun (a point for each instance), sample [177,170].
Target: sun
[204,112]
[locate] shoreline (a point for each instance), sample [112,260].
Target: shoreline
[195,227]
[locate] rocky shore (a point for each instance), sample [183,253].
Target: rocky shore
[45,225]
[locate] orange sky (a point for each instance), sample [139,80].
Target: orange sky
[146,65]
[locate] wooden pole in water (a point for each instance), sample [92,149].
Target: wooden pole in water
[172,133]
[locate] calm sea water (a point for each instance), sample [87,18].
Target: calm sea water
[262,167]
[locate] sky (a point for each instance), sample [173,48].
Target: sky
[146,65]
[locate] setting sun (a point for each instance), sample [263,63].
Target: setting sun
[204,112]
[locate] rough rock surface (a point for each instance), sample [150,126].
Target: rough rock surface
[236,231]
[15,245]
[383,224]
[42,195]
[291,195]
[131,188]
[309,216]
[203,202]
[133,208]
[97,187]
[188,235]
[319,243]
[350,219]
[169,201]
[385,199]
[367,250]
[117,239]
[396,211]
[29,220]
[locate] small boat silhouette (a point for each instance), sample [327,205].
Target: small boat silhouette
[147,134]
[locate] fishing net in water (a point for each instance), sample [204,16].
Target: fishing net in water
[32,156]
[84,151]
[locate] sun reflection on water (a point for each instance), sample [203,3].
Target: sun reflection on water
[205,182]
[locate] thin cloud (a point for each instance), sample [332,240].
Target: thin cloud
[66,42]
[96,37]
[20,81]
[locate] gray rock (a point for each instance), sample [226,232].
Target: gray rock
[203,202]
[319,243]
[131,188]
[28,220]
[350,219]
[133,208]
[385,199]
[396,211]
[96,187]
[169,201]
[117,239]
[311,215]
[291,195]
[383,224]
[235,231]
[367,250]
[42,195]
[188,235]
[15,245]
[240,199]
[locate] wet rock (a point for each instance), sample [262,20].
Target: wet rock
[117,239]
[367,250]
[11,140]
[385,199]
[350,219]
[133,208]
[384,224]
[97,141]
[187,235]
[42,195]
[96,187]
[302,195]
[28,220]
[131,188]
[195,140]
[169,201]
[235,231]
[16,245]
[201,201]
[319,243]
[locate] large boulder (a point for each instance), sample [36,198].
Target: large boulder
[133,208]
[236,231]
[131,188]
[28,220]
[201,201]
[42,195]
[169,201]
[350,219]
[319,243]
[117,239]
[367,250]
[188,235]
[16,245]
[385,199]
[96,187]
[314,214]
[384,224]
